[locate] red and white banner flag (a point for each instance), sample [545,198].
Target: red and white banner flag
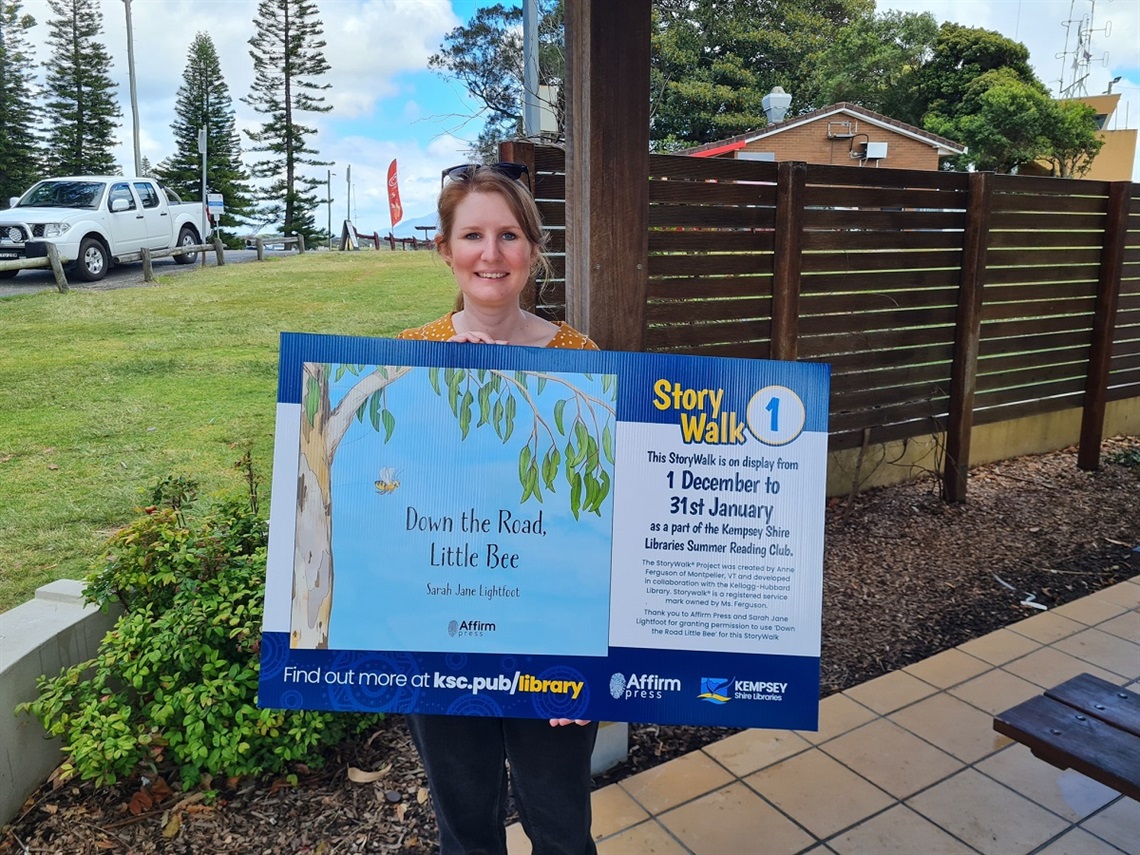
[394,206]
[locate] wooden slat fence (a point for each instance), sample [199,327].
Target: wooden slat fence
[941,299]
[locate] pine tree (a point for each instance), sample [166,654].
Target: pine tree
[204,101]
[287,53]
[19,165]
[80,93]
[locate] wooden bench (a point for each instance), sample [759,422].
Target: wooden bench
[1085,724]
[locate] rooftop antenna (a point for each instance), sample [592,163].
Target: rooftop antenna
[1080,59]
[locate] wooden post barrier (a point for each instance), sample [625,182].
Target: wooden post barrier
[967,337]
[1104,325]
[148,267]
[217,252]
[300,244]
[260,244]
[56,267]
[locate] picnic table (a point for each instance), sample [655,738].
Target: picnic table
[1086,724]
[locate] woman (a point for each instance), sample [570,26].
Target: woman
[491,237]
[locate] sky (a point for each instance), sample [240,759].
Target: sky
[388,105]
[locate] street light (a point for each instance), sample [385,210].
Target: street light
[328,201]
[134,94]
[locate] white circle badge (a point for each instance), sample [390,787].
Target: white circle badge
[776,415]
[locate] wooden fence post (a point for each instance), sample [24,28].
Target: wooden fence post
[1104,324]
[300,244]
[791,181]
[218,251]
[967,335]
[56,267]
[260,244]
[148,266]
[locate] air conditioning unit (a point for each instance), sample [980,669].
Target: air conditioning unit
[876,151]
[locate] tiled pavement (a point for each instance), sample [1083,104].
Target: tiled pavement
[908,763]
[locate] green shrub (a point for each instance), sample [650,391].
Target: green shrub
[1128,457]
[175,680]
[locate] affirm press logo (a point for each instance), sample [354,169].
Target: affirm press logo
[468,628]
[642,686]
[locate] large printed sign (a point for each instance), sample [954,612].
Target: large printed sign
[480,530]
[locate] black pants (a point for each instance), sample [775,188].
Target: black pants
[550,773]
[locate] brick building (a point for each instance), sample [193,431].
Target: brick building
[840,135]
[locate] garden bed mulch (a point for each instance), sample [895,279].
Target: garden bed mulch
[905,577]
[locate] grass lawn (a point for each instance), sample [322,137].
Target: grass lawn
[107,392]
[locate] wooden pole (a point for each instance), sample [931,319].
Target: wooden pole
[1104,324]
[148,266]
[786,267]
[260,243]
[607,170]
[218,252]
[301,244]
[523,152]
[967,334]
[56,267]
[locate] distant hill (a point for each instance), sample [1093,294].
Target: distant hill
[407,227]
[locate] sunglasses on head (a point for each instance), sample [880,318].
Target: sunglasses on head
[464,171]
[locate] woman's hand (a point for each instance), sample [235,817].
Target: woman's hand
[562,722]
[474,338]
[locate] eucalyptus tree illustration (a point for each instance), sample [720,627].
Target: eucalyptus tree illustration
[577,449]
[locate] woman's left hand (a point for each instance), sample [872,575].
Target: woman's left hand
[474,338]
[562,722]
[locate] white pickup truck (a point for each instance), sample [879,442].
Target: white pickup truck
[97,220]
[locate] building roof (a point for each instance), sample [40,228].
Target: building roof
[944,146]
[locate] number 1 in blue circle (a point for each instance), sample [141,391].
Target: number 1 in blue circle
[775,415]
[774,408]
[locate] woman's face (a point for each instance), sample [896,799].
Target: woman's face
[488,252]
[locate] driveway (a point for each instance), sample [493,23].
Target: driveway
[120,276]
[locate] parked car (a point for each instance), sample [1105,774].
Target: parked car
[98,220]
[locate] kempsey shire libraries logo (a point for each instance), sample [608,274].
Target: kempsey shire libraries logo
[469,628]
[716,690]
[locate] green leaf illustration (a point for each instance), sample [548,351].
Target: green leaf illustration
[608,444]
[575,494]
[374,411]
[312,399]
[465,413]
[389,423]
[559,408]
[433,378]
[510,426]
[484,405]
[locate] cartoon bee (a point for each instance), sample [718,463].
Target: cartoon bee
[387,481]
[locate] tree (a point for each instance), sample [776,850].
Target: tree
[981,91]
[875,62]
[204,102]
[80,93]
[486,56]
[1002,119]
[1074,141]
[584,423]
[18,154]
[287,52]
[715,60]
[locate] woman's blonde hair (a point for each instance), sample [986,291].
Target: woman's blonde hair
[521,204]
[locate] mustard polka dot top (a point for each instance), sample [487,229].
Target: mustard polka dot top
[567,338]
